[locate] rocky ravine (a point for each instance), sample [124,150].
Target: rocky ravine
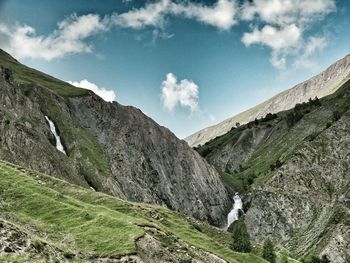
[113,148]
[321,85]
[297,164]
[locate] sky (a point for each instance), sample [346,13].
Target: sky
[186,64]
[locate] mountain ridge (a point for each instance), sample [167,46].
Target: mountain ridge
[293,168]
[151,166]
[329,80]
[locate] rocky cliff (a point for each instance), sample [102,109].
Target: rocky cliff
[111,148]
[294,170]
[321,85]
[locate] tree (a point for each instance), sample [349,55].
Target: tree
[241,238]
[284,259]
[315,259]
[269,251]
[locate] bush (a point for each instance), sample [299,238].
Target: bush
[315,259]
[336,115]
[284,259]
[241,238]
[269,251]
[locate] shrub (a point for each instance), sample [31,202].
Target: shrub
[269,251]
[336,115]
[284,259]
[241,238]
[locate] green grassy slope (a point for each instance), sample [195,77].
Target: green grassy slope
[89,224]
[26,76]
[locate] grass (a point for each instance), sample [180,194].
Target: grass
[82,146]
[283,140]
[77,220]
[25,76]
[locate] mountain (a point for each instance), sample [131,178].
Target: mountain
[44,219]
[319,86]
[111,148]
[292,170]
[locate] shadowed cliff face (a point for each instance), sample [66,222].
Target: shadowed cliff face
[149,163]
[298,164]
[110,147]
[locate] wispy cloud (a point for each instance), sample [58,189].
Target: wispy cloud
[283,26]
[221,15]
[107,95]
[182,93]
[69,38]
[285,23]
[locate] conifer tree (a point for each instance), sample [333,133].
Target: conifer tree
[241,238]
[269,251]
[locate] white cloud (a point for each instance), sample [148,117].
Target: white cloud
[282,41]
[282,12]
[221,15]
[284,30]
[183,93]
[150,15]
[280,25]
[273,37]
[69,38]
[107,95]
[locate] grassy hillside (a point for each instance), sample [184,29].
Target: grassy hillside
[27,76]
[284,134]
[87,161]
[80,224]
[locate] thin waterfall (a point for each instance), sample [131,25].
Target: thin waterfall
[234,213]
[59,145]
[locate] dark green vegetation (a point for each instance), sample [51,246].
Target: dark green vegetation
[240,236]
[267,143]
[80,224]
[269,251]
[25,76]
[314,259]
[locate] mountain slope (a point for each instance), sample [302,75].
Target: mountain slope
[43,219]
[110,147]
[294,168]
[319,86]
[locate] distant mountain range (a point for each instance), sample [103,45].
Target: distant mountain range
[321,85]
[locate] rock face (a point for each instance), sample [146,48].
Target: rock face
[297,164]
[112,148]
[306,203]
[321,85]
[149,163]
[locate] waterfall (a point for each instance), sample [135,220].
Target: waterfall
[59,145]
[234,213]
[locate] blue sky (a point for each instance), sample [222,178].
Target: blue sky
[186,64]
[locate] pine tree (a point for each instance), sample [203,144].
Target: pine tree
[269,251]
[241,238]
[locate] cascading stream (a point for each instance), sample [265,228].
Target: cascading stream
[59,145]
[234,213]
